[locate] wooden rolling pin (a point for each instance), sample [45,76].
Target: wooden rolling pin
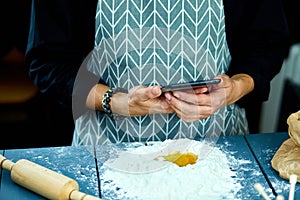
[44,181]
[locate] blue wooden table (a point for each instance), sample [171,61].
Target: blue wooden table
[79,163]
[264,146]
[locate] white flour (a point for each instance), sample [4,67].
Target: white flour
[209,178]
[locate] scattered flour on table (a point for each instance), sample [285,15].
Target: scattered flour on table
[209,178]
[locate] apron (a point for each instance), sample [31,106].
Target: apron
[154,43]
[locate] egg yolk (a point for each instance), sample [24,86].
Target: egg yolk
[181,159]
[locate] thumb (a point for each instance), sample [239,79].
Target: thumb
[146,93]
[155,92]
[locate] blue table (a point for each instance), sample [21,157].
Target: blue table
[264,146]
[80,164]
[77,163]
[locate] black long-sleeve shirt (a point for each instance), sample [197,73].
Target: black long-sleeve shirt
[62,35]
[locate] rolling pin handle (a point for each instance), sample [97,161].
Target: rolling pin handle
[5,163]
[77,195]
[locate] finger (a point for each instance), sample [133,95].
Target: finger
[201,90]
[192,116]
[192,98]
[187,110]
[161,106]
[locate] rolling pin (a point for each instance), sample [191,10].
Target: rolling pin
[44,181]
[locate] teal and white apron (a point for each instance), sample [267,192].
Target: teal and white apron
[158,43]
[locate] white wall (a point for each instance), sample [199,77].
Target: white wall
[271,108]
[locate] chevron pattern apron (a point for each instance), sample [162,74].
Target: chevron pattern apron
[158,42]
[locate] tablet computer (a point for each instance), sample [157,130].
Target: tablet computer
[189,85]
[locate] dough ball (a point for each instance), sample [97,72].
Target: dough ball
[287,159]
[293,122]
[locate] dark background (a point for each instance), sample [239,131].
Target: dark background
[27,117]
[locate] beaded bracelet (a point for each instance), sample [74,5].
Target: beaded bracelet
[106,99]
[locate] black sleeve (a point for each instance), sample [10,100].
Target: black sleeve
[61,36]
[257,36]
[291,8]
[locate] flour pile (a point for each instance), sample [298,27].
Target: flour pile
[209,178]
